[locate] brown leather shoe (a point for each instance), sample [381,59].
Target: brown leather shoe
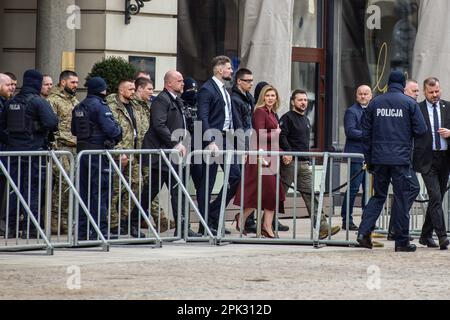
[324,232]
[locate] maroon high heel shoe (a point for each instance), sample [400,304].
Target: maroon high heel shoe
[267,235]
[238,229]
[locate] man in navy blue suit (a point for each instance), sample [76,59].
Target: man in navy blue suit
[216,113]
[354,144]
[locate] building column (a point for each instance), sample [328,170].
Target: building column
[57,22]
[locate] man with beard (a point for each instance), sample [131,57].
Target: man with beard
[216,113]
[62,99]
[295,137]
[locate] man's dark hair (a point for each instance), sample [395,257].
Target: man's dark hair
[142,82]
[66,74]
[243,72]
[220,61]
[122,81]
[431,82]
[11,75]
[296,92]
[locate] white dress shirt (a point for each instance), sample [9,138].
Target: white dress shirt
[444,144]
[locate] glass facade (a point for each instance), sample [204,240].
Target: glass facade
[373,37]
[206,28]
[377,36]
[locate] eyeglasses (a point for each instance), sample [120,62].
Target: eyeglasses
[247,80]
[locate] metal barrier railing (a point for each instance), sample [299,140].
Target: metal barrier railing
[314,234]
[97,172]
[29,194]
[417,213]
[138,183]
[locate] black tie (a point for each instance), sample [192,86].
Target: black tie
[437,136]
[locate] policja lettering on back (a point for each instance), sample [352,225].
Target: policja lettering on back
[390,113]
[389,125]
[95,128]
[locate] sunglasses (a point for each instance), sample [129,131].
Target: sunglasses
[247,80]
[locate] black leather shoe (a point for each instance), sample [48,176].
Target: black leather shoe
[250,228]
[31,235]
[227,232]
[281,227]
[408,248]
[351,227]
[428,242]
[193,234]
[444,243]
[365,241]
[136,234]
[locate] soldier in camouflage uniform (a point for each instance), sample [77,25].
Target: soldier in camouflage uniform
[62,99]
[144,91]
[134,118]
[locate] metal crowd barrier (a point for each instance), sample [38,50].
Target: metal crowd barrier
[27,220]
[301,234]
[124,187]
[417,213]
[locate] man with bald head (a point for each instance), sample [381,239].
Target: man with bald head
[354,144]
[412,89]
[166,119]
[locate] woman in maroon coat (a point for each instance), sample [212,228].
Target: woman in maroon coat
[267,132]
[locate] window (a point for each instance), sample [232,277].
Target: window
[368,53]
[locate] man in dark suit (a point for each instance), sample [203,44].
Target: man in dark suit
[431,159]
[215,111]
[167,119]
[354,144]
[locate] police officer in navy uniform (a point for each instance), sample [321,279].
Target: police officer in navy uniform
[96,129]
[389,125]
[27,120]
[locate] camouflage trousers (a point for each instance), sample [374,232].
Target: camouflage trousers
[60,195]
[122,204]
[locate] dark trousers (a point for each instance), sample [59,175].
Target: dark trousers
[30,180]
[204,191]
[94,191]
[354,187]
[436,182]
[406,189]
[154,189]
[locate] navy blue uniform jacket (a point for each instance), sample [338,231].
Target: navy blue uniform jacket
[353,130]
[389,125]
[100,118]
[41,112]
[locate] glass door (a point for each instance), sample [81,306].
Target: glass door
[308,64]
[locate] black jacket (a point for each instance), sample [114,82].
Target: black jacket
[423,146]
[40,112]
[166,118]
[243,105]
[389,124]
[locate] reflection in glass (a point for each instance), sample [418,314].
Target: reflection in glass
[368,55]
[305,24]
[304,76]
[392,47]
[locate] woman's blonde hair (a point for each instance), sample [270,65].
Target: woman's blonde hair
[261,101]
